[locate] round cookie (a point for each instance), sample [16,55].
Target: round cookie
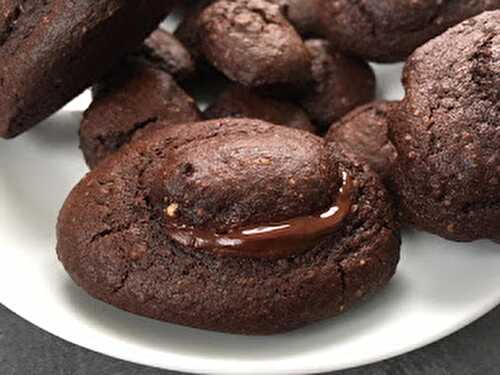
[302,14]
[116,239]
[240,102]
[50,51]
[135,97]
[447,133]
[341,83]
[364,132]
[253,44]
[390,30]
[166,52]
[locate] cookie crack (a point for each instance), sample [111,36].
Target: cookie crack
[11,21]
[108,232]
[343,283]
[138,125]
[124,137]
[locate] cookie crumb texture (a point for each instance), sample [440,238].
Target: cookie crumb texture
[340,83]
[50,51]
[135,97]
[219,175]
[447,133]
[240,102]
[302,14]
[390,30]
[252,43]
[165,51]
[364,133]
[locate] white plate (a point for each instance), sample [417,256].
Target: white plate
[440,287]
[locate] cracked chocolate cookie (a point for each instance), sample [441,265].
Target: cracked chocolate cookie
[252,43]
[364,132]
[340,84]
[390,30]
[447,133]
[302,14]
[136,97]
[240,102]
[231,225]
[50,51]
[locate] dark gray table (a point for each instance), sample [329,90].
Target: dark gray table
[27,350]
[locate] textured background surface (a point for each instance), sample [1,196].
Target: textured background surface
[26,350]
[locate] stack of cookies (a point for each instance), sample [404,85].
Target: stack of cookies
[280,204]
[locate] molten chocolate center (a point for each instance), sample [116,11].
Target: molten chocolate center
[277,240]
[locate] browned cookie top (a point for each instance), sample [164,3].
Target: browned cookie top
[447,132]
[115,238]
[364,132]
[341,83]
[241,102]
[252,43]
[58,48]
[390,30]
[135,97]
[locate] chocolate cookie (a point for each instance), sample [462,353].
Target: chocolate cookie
[50,51]
[364,132]
[302,14]
[135,97]
[217,226]
[390,30]
[164,50]
[240,102]
[447,133]
[188,30]
[341,83]
[252,43]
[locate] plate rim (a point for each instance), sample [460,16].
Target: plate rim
[204,365]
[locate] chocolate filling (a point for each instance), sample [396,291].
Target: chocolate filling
[276,240]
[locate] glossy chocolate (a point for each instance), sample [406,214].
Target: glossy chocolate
[276,240]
